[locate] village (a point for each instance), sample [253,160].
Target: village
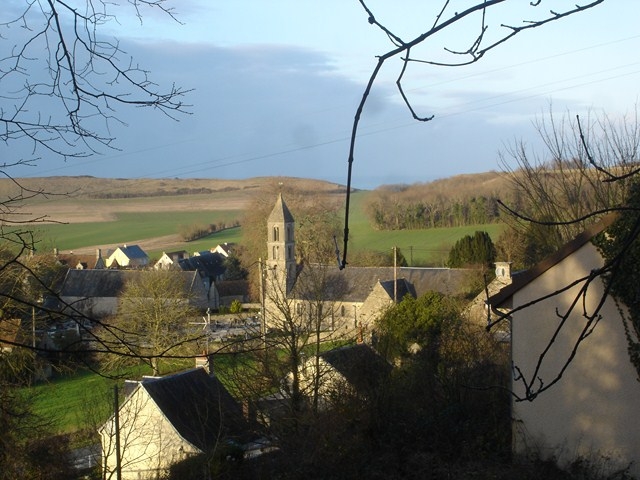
[329,320]
[287,240]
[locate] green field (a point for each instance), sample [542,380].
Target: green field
[128,227]
[420,247]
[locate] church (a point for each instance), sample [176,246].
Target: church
[347,300]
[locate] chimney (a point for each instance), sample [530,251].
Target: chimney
[205,361]
[503,271]
[98,254]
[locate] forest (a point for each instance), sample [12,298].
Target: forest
[452,202]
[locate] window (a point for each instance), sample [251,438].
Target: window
[274,253]
[289,252]
[342,310]
[276,234]
[289,233]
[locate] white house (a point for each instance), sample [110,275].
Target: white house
[167,419]
[128,256]
[225,249]
[169,260]
[576,394]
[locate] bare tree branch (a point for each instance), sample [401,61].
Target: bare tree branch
[478,47]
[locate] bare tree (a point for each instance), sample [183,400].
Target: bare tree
[481,40]
[152,321]
[65,83]
[68,78]
[583,172]
[590,174]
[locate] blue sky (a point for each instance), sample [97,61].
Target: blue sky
[276,85]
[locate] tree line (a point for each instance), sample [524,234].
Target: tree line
[469,199]
[387,212]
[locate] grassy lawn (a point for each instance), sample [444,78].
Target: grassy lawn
[72,401]
[84,399]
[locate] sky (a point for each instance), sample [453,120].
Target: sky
[275,87]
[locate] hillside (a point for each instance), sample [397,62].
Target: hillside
[87,213]
[90,199]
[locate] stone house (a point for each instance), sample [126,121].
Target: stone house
[95,293]
[167,419]
[353,371]
[81,262]
[575,391]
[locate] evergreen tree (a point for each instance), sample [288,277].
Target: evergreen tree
[476,249]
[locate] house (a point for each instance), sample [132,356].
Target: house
[127,256]
[575,392]
[351,298]
[169,260]
[209,265]
[225,249]
[345,372]
[477,313]
[81,262]
[167,419]
[96,293]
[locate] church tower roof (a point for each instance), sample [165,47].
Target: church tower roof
[280,212]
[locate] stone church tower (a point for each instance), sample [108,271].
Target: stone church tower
[281,246]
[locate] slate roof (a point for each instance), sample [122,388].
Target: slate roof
[108,283]
[198,406]
[361,366]
[133,251]
[208,264]
[402,289]
[280,212]
[354,284]
[522,279]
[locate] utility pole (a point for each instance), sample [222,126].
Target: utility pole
[116,422]
[395,275]
[263,320]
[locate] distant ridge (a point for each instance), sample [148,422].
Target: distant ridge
[95,187]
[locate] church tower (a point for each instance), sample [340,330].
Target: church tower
[281,245]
